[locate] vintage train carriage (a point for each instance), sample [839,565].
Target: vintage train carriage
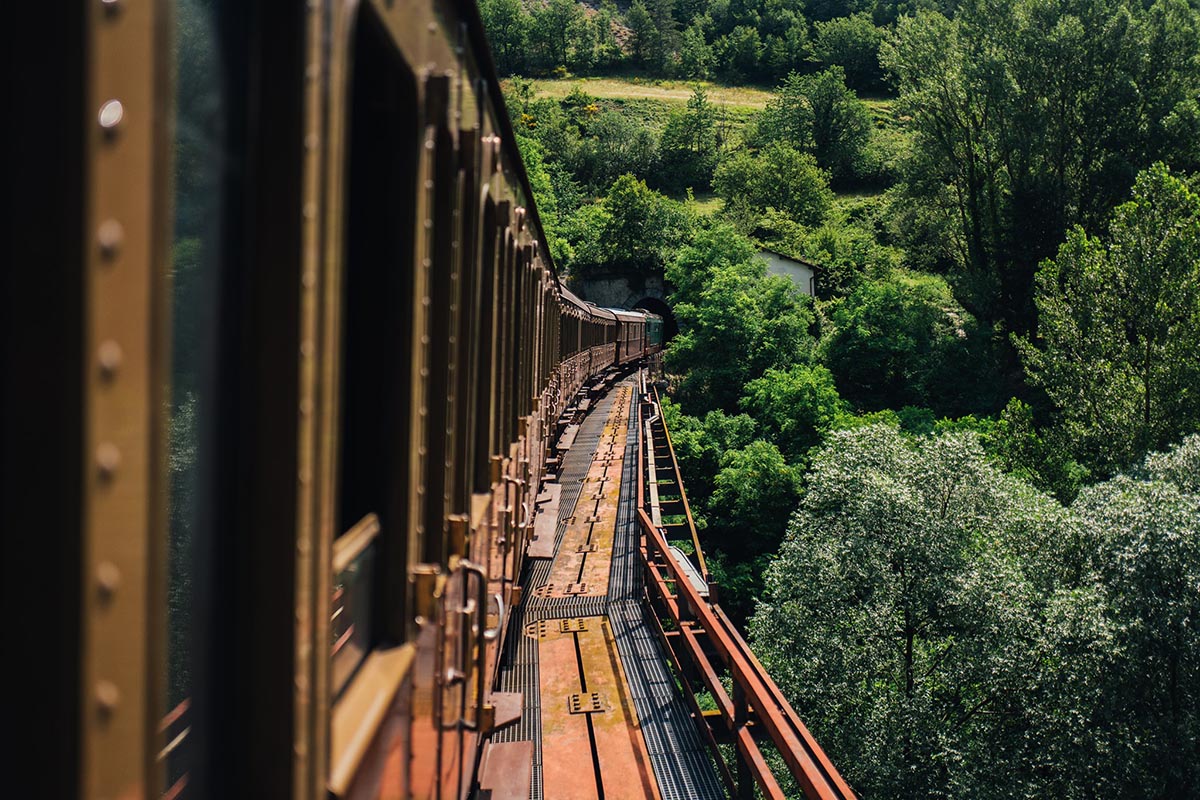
[631,335]
[298,342]
[654,333]
[604,336]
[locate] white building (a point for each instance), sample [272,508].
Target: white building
[802,273]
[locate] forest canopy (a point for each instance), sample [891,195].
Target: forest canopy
[952,496]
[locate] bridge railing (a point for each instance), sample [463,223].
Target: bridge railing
[708,651]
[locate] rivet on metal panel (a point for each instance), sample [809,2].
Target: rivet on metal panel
[111,114]
[108,697]
[108,458]
[108,355]
[109,236]
[108,578]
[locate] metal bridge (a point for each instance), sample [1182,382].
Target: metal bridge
[616,637]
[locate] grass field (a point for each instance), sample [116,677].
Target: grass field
[676,92]
[706,204]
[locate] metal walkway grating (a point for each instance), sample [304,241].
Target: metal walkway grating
[681,763]
[680,759]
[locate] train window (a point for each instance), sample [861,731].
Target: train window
[373,477]
[193,280]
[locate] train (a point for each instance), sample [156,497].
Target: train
[301,351]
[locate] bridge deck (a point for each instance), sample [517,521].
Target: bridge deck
[601,708]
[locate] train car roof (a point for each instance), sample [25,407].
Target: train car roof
[602,313]
[570,298]
[627,316]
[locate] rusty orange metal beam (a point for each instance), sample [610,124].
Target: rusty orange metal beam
[807,762]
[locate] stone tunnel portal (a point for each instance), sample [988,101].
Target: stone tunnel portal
[658,306]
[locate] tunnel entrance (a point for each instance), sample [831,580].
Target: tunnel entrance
[657,306]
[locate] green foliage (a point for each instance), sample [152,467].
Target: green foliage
[695,54]
[1179,466]
[796,407]
[507,27]
[700,443]
[632,228]
[892,618]
[754,493]
[547,199]
[852,43]
[777,176]
[1037,458]
[846,253]
[818,114]
[1141,697]
[1037,115]
[1119,327]
[946,631]
[735,321]
[689,145]
[554,32]
[644,34]
[906,341]
[739,53]
[613,145]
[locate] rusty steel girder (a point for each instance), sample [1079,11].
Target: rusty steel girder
[703,642]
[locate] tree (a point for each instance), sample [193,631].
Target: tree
[739,53]
[700,443]
[778,176]
[1119,327]
[507,23]
[547,201]
[753,495]
[550,32]
[735,321]
[645,35]
[904,341]
[1028,149]
[695,55]
[1123,652]
[666,39]
[688,147]
[818,114]
[847,253]
[851,43]
[633,229]
[613,144]
[796,406]
[896,618]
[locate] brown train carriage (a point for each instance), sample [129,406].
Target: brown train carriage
[631,335]
[604,337]
[299,342]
